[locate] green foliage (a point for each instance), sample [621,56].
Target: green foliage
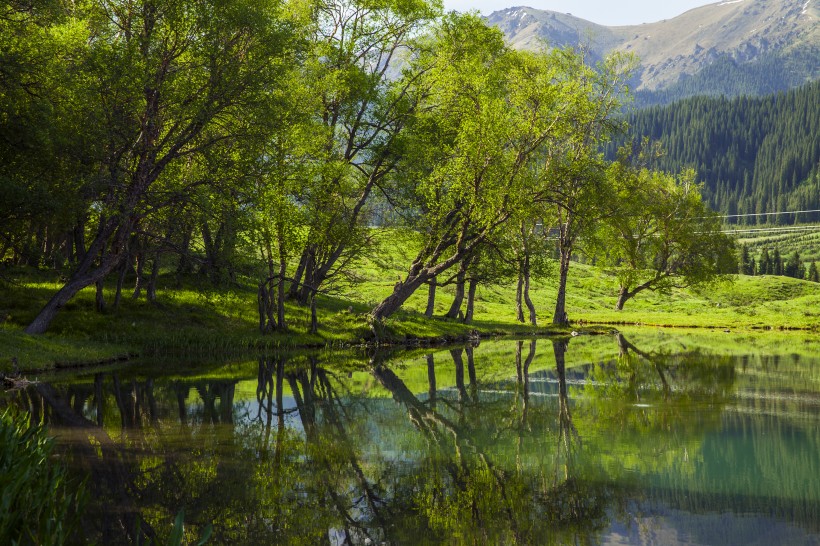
[661,235]
[39,503]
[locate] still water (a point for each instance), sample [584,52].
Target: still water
[648,437]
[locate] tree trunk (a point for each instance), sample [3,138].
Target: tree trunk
[140,260]
[280,289]
[314,321]
[431,298]
[293,291]
[151,289]
[519,292]
[560,318]
[455,308]
[416,277]
[79,241]
[99,300]
[121,281]
[83,277]
[527,300]
[266,304]
[401,291]
[623,295]
[468,314]
[184,264]
[310,282]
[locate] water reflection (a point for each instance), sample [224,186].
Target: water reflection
[516,442]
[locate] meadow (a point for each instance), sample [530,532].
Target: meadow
[195,320]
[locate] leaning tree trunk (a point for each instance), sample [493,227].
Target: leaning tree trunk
[85,274]
[623,295]
[401,292]
[416,277]
[77,282]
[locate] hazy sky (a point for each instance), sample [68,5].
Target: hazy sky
[603,12]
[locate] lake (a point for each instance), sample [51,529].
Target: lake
[646,437]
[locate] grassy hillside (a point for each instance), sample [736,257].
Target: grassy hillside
[198,321]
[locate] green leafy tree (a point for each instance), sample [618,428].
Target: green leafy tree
[361,107]
[167,79]
[777,262]
[572,182]
[663,236]
[746,265]
[484,111]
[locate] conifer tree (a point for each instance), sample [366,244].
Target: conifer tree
[777,263]
[813,274]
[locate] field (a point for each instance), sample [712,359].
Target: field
[197,321]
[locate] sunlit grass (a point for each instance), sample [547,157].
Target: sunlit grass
[199,320]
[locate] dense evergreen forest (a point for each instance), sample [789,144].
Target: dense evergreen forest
[754,155]
[260,142]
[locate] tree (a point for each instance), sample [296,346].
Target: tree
[362,106]
[777,262]
[746,265]
[168,77]
[664,236]
[483,111]
[794,267]
[572,182]
[765,267]
[41,173]
[813,275]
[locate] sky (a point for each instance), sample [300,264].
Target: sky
[603,12]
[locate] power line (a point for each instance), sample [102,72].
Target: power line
[766,213]
[774,230]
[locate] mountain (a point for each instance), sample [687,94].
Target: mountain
[730,48]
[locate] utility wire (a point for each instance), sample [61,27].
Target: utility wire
[766,213]
[774,230]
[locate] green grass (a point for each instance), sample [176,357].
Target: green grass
[198,322]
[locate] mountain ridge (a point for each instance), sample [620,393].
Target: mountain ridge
[671,51]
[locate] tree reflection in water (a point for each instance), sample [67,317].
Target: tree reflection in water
[313,457]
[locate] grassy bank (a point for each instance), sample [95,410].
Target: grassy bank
[196,320]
